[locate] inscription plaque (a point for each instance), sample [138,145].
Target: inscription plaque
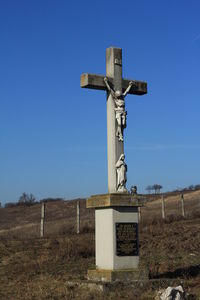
[127,239]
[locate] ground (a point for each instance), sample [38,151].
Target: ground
[41,268]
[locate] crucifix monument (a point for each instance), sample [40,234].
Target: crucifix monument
[116,213]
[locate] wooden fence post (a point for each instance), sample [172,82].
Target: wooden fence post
[78,217]
[139,213]
[42,220]
[163,207]
[182,205]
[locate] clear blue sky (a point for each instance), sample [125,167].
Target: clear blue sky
[53,133]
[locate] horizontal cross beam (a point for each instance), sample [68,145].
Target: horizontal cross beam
[92,81]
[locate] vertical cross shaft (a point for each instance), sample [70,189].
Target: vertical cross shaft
[114,147]
[117,88]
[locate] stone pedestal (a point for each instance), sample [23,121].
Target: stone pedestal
[116,237]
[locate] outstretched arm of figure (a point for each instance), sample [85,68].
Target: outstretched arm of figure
[128,88]
[108,86]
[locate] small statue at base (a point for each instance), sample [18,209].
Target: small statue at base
[133,190]
[121,168]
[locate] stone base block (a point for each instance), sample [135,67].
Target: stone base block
[118,275]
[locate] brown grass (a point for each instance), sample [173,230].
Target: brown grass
[35,268]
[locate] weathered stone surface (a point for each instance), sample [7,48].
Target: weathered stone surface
[116,113]
[114,147]
[171,293]
[116,213]
[106,219]
[93,81]
[113,200]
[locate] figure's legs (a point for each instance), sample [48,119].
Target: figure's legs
[124,120]
[119,127]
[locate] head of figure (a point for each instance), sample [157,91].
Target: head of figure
[122,157]
[118,93]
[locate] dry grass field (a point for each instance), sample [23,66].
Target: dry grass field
[40,268]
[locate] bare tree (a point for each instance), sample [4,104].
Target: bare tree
[26,199]
[157,187]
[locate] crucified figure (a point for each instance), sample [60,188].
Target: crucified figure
[118,97]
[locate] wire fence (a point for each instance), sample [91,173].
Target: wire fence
[178,207]
[72,217]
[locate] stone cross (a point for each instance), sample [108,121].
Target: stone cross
[116,88]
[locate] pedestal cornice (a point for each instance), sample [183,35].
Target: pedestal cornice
[114,200]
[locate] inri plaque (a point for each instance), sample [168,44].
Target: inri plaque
[127,239]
